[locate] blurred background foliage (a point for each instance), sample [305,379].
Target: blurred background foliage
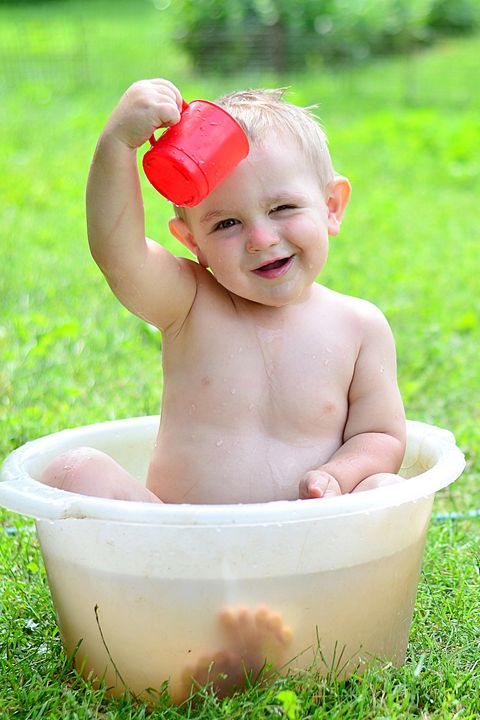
[224,36]
[282,34]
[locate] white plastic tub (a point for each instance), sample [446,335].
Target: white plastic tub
[145,587]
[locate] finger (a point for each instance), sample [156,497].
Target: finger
[166,113]
[303,490]
[169,88]
[310,487]
[315,490]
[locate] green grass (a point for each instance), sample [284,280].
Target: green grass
[406,132]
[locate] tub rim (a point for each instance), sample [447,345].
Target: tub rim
[21,493]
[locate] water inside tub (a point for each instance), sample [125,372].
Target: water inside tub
[173,628]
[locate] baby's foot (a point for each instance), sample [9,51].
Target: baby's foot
[223,671]
[253,638]
[256,636]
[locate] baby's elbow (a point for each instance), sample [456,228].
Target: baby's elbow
[102,257]
[397,443]
[397,435]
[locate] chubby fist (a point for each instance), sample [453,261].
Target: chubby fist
[144,107]
[318,484]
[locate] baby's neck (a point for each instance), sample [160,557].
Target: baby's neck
[272,314]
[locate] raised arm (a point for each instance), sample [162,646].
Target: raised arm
[146,278]
[374,435]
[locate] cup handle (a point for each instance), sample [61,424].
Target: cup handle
[152,139]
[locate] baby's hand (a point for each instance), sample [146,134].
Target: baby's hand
[145,106]
[318,484]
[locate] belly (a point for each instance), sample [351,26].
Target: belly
[212,465]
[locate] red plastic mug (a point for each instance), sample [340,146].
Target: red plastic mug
[192,157]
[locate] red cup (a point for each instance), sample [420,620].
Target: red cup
[192,157]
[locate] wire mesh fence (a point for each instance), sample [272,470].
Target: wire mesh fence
[74,50]
[84,47]
[39,52]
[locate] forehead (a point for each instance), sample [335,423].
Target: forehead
[274,170]
[276,147]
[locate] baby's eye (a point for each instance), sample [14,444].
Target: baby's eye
[225,224]
[279,208]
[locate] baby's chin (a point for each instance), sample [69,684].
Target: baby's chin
[280,299]
[255,299]
[274,298]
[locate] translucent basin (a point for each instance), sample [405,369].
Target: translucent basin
[160,593]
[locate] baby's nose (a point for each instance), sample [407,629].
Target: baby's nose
[261,238]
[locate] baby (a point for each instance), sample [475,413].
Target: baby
[275,387]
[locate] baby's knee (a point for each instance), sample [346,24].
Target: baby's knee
[65,471]
[88,471]
[376,481]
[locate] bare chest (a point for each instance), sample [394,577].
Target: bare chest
[289,382]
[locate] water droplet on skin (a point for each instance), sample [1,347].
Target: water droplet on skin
[382,369]
[314,357]
[326,362]
[251,407]
[192,409]
[233,391]
[219,443]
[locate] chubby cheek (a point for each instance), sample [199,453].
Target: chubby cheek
[223,266]
[210,253]
[311,240]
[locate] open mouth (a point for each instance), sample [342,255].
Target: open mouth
[276,268]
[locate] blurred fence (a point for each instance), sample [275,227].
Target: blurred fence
[38,52]
[75,50]
[75,44]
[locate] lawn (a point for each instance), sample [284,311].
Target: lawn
[406,132]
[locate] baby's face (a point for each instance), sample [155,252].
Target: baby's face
[264,230]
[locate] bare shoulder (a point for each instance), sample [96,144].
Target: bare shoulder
[188,266]
[363,314]
[206,283]
[209,300]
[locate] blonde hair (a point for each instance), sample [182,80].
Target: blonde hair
[261,112]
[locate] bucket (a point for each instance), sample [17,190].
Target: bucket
[157,593]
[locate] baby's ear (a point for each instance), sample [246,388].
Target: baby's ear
[338,195]
[182,232]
